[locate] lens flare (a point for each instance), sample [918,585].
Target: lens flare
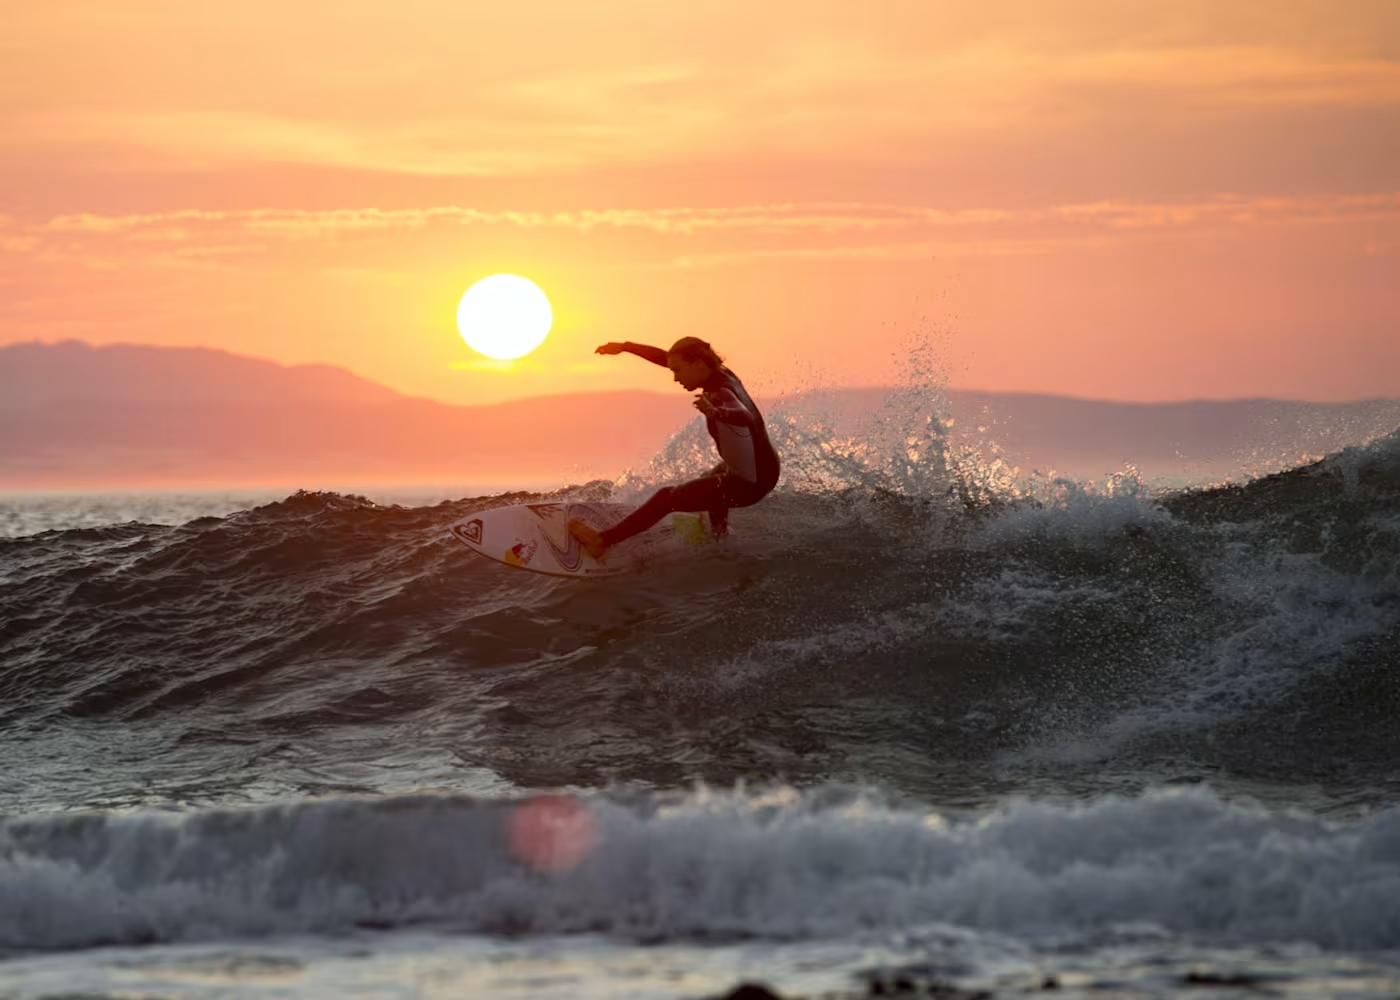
[553,833]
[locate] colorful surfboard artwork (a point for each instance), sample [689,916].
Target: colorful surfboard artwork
[535,537]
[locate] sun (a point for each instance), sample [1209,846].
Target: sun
[504,316]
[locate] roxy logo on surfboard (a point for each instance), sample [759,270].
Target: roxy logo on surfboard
[469,532]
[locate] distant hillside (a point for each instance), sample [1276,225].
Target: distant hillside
[75,416]
[105,444]
[1177,440]
[36,374]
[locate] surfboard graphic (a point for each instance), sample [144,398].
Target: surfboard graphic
[536,537]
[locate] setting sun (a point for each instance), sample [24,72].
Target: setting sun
[504,316]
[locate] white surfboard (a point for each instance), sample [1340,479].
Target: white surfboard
[535,536]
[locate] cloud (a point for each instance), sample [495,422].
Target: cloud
[875,252]
[299,223]
[711,234]
[446,91]
[1235,210]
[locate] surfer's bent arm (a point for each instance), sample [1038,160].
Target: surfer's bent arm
[655,355]
[726,408]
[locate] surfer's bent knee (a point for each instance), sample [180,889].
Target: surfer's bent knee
[743,493]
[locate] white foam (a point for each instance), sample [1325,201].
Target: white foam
[778,865]
[1264,619]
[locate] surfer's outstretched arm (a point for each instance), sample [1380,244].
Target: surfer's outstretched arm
[655,355]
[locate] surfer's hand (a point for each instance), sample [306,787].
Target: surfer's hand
[704,405]
[611,347]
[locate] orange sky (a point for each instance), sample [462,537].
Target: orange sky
[1091,197]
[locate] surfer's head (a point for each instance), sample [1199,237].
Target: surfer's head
[692,361]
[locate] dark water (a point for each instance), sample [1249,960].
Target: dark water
[1086,644]
[1027,713]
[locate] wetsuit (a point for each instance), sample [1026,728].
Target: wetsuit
[748,474]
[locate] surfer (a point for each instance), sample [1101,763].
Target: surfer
[749,469]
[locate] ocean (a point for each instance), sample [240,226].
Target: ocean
[924,725]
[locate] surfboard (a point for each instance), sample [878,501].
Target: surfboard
[535,537]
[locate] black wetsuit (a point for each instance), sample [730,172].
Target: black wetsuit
[750,469]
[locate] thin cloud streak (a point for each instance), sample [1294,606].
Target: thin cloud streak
[997,230]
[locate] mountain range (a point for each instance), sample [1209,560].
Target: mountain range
[74,416]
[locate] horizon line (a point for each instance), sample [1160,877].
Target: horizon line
[767,397]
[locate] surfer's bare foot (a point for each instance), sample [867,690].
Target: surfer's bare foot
[589,538]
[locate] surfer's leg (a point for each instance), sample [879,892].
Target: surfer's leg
[696,495]
[714,494]
[596,542]
[719,520]
[588,537]
[742,493]
[734,492]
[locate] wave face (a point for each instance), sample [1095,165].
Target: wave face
[781,866]
[952,638]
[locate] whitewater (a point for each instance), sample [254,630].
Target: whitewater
[925,724]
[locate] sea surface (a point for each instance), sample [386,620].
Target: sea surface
[920,723]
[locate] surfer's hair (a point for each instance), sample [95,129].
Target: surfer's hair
[695,349]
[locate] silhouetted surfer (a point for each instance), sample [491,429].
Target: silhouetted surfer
[749,469]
